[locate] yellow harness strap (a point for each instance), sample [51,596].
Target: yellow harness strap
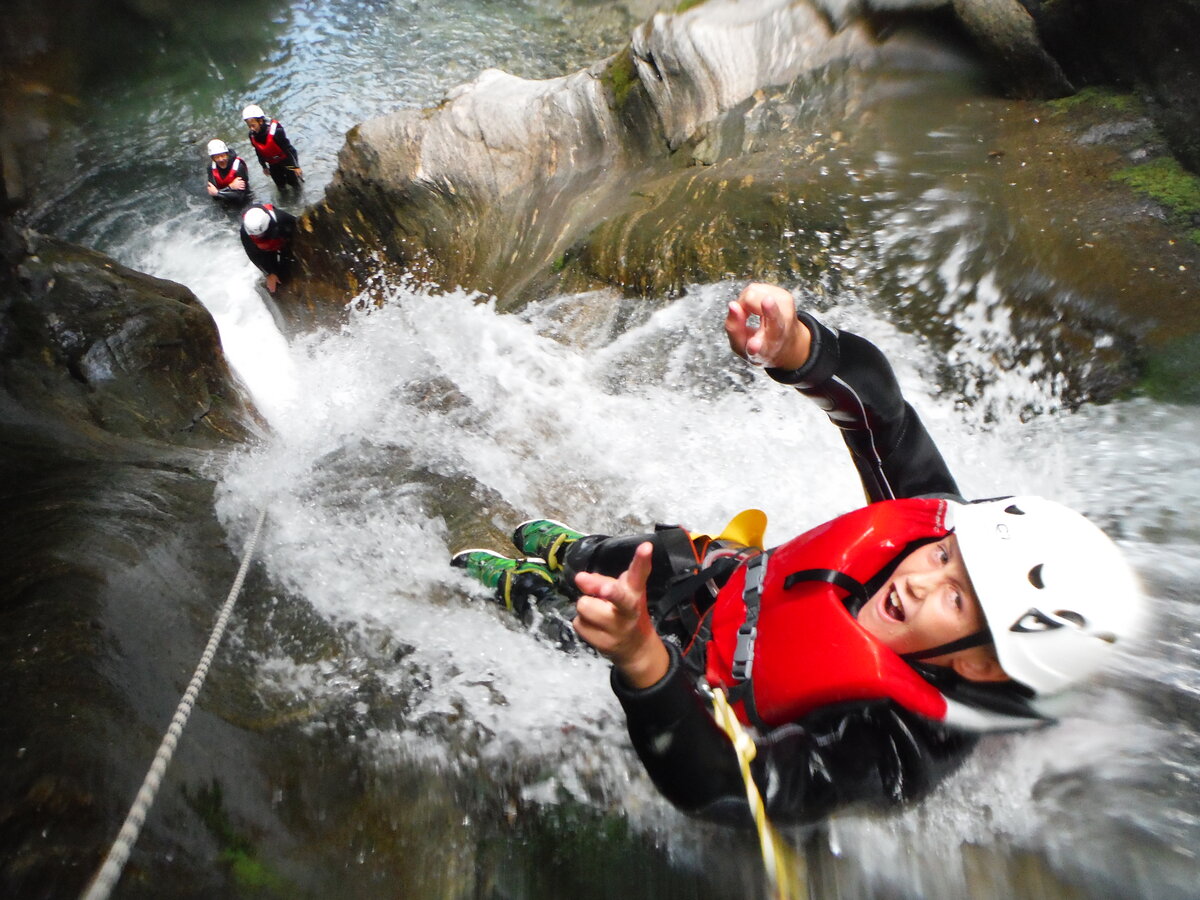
[785,870]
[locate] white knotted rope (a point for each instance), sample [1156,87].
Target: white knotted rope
[106,878]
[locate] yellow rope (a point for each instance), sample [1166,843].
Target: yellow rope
[784,867]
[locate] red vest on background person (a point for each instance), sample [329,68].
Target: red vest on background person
[225,179]
[266,145]
[270,244]
[810,651]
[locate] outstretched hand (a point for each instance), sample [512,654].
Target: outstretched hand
[774,336]
[613,617]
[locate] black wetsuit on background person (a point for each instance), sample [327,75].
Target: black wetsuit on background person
[271,251]
[871,751]
[221,179]
[276,154]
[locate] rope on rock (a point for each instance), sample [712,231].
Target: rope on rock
[782,865]
[106,878]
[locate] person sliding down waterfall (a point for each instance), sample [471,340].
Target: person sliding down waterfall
[267,239]
[867,654]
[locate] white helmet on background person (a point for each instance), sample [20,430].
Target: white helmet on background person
[255,220]
[253,112]
[215,146]
[1057,593]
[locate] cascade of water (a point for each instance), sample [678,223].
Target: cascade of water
[433,421]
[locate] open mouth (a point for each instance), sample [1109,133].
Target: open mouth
[892,607]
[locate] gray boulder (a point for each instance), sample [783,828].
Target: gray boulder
[493,188]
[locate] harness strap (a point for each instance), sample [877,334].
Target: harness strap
[743,652]
[831,576]
[682,609]
[978,639]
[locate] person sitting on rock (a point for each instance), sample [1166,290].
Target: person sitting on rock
[267,234]
[228,178]
[869,653]
[275,152]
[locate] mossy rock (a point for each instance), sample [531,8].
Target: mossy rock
[1168,183]
[1100,100]
[706,224]
[1170,372]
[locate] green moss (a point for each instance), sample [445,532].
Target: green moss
[1103,98]
[249,874]
[685,5]
[252,876]
[620,77]
[1170,372]
[1166,181]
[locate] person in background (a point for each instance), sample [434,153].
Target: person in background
[867,654]
[267,235]
[228,178]
[276,154]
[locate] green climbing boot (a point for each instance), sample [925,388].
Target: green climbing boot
[513,580]
[545,538]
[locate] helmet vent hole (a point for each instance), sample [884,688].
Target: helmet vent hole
[1035,577]
[1073,617]
[1014,510]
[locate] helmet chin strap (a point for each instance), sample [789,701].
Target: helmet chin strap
[978,639]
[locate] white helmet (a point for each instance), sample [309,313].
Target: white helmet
[255,220]
[253,112]
[1057,594]
[215,147]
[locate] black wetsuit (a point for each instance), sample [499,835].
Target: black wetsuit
[282,229]
[230,194]
[282,172]
[874,751]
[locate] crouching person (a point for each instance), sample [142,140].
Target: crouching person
[267,234]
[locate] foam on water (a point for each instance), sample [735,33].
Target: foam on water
[229,286]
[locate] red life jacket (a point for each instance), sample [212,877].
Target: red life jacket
[270,244]
[809,651]
[266,145]
[225,179]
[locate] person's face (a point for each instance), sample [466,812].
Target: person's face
[256,125]
[221,159]
[927,602]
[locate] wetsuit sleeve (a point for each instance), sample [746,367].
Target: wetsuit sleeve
[285,145]
[872,753]
[851,380]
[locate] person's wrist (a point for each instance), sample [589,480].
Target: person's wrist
[647,665]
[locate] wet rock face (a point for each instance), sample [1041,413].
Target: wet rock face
[113,393]
[493,188]
[1150,47]
[1008,37]
[92,349]
[519,188]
